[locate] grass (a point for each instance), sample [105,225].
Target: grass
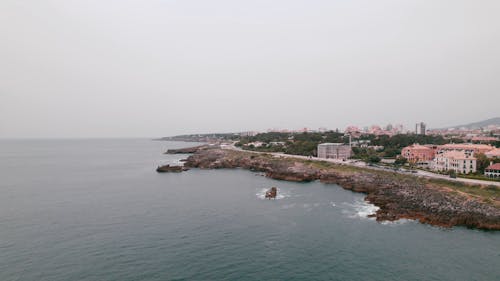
[477,177]
[489,193]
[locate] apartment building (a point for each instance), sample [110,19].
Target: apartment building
[334,151]
[458,161]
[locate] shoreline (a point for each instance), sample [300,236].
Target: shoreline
[431,201]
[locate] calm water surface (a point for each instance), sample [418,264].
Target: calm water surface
[97,210]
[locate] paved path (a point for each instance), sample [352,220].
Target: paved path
[356,163]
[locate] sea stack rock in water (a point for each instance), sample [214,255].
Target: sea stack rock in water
[271,193]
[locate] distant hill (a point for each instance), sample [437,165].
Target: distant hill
[476,125]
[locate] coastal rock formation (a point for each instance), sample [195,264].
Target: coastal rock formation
[168,168]
[187,150]
[398,196]
[271,193]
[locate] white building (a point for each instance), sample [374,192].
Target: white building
[334,151]
[255,144]
[493,171]
[420,128]
[458,161]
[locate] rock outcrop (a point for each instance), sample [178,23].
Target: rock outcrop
[187,150]
[170,169]
[398,196]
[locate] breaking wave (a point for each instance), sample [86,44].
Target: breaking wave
[397,222]
[360,209]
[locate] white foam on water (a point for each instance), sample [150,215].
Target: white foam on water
[173,162]
[395,223]
[261,194]
[360,209]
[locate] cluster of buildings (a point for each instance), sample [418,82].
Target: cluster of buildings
[487,134]
[389,130]
[457,157]
[377,130]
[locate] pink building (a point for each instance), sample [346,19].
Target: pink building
[495,153]
[352,129]
[416,153]
[482,139]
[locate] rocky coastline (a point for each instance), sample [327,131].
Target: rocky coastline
[171,169]
[439,203]
[187,150]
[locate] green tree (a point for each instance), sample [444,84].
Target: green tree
[374,158]
[481,162]
[452,173]
[400,161]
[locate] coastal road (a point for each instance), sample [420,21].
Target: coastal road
[356,163]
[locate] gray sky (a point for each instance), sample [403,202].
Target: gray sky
[155,68]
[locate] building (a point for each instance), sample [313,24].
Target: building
[492,171]
[249,134]
[468,148]
[334,151]
[495,153]
[483,139]
[458,161]
[417,153]
[420,128]
[255,144]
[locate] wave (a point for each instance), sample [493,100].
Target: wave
[360,209]
[397,222]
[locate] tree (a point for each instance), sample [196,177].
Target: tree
[374,158]
[481,162]
[400,161]
[452,173]
[391,152]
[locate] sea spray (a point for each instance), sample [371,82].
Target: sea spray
[360,209]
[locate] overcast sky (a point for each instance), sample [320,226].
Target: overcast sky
[156,68]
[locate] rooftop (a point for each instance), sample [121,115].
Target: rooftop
[466,146]
[457,155]
[418,147]
[493,153]
[332,143]
[494,167]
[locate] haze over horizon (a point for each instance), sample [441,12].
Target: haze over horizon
[157,68]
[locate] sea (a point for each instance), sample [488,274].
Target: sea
[96,209]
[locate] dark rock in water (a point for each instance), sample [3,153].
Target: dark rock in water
[187,150]
[171,169]
[271,193]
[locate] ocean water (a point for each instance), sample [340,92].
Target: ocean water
[97,210]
